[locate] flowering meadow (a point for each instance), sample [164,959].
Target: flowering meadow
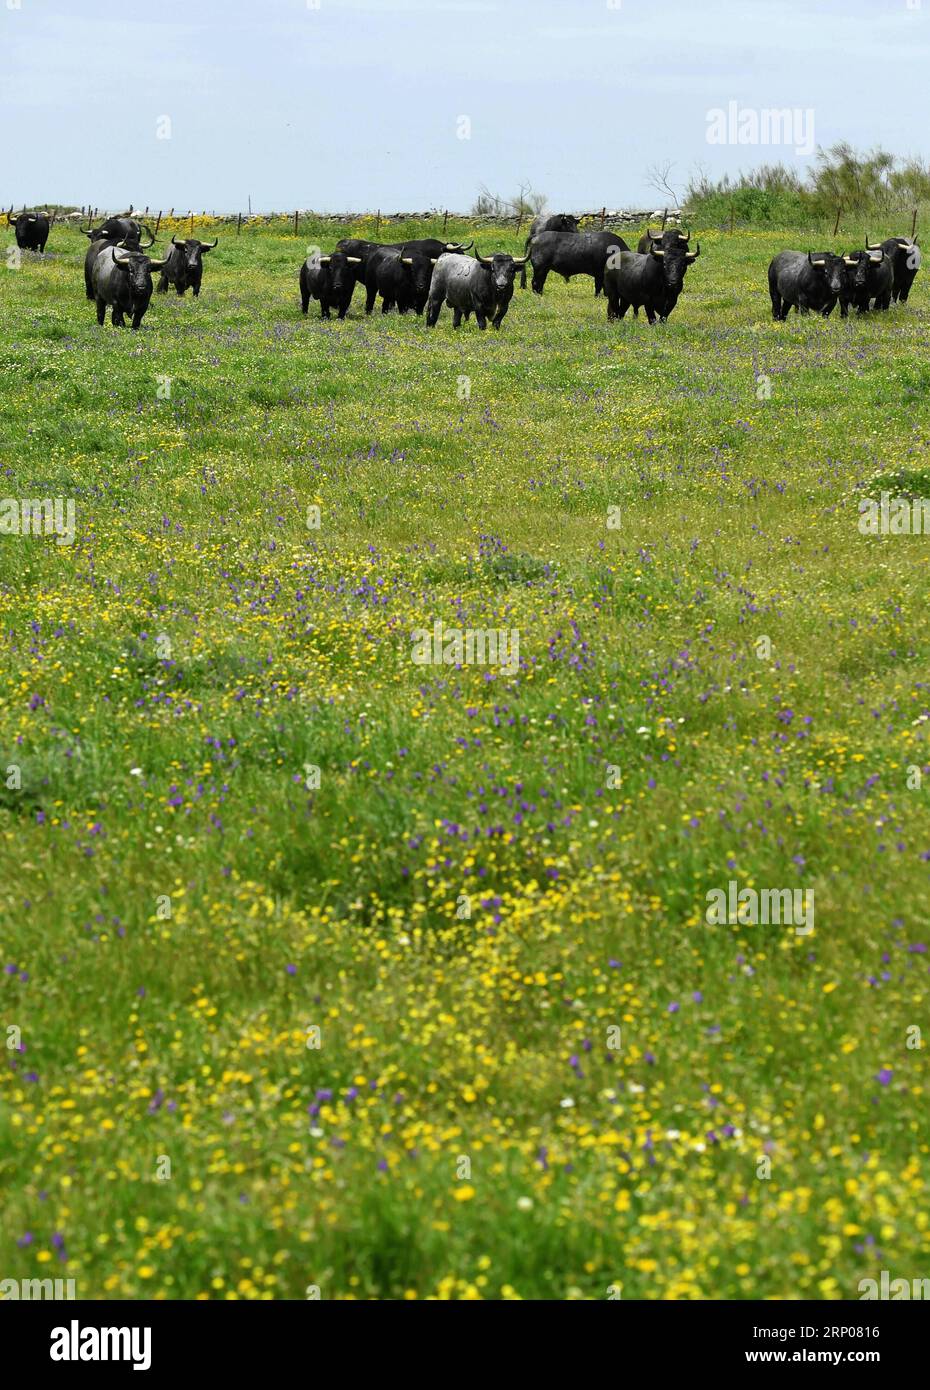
[328,973]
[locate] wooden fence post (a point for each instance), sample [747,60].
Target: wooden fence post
[914,224]
[238,224]
[836,225]
[603,217]
[158,222]
[445,221]
[296,212]
[665,219]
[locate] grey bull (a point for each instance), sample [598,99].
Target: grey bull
[483,286]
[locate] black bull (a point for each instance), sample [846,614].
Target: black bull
[401,275]
[652,280]
[573,253]
[183,265]
[905,261]
[547,222]
[31,230]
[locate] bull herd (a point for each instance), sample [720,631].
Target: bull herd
[428,273]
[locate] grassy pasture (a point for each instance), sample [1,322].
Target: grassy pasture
[539,1071]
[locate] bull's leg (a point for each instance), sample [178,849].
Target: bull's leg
[613,307]
[386,305]
[456,318]
[432,312]
[162,286]
[180,289]
[776,303]
[88,286]
[137,319]
[117,316]
[371,295]
[598,283]
[650,313]
[481,319]
[101,311]
[324,308]
[539,280]
[304,299]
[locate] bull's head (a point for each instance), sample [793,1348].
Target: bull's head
[420,270]
[137,267]
[857,266]
[341,273]
[675,259]
[502,268]
[563,222]
[193,250]
[831,267]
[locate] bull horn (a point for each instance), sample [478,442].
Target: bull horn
[850,260]
[175,242]
[653,236]
[120,260]
[656,251]
[482,260]
[406,260]
[872,246]
[683,236]
[877,260]
[156,265]
[459,245]
[520,260]
[354,260]
[212,246]
[433,260]
[325,260]
[693,255]
[151,235]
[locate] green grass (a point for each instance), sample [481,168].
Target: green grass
[466,477]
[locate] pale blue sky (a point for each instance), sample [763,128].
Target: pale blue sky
[356,104]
